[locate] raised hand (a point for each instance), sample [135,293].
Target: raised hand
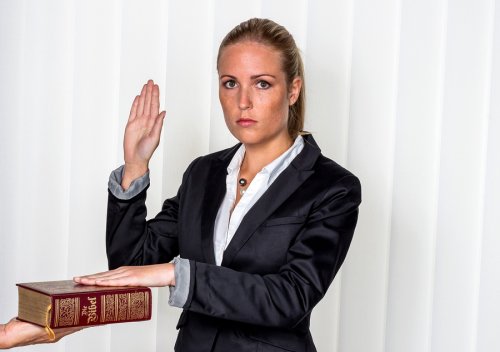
[157,275]
[142,134]
[17,333]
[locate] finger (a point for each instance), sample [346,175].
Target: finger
[155,100]
[118,272]
[142,97]
[154,106]
[124,280]
[156,131]
[147,101]
[133,109]
[92,282]
[96,274]
[90,279]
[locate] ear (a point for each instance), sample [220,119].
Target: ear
[294,91]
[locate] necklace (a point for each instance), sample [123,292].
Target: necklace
[242,182]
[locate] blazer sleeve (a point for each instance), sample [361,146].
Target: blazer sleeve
[131,240]
[285,298]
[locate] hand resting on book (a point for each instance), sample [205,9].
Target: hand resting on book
[157,275]
[18,333]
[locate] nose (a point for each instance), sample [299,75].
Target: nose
[245,100]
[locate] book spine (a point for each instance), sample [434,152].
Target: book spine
[97,308]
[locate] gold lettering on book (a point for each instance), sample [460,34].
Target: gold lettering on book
[90,310]
[122,307]
[137,306]
[66,312]
[109,310]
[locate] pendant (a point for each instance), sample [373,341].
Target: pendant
[242,182]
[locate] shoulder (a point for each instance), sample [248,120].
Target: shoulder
[323,167]
[326,168]
[329,179]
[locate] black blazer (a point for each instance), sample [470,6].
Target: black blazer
[279,264]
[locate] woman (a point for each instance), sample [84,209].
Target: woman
[259,230]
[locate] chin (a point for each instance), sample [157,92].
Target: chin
[248,140]
[250,136]
[244,135]
[255,140]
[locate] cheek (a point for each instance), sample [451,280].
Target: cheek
[224,102]
[278,109]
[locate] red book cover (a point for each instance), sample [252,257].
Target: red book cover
[58,304]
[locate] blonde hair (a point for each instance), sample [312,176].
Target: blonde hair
[270,33]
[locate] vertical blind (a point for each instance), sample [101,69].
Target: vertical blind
[406,94]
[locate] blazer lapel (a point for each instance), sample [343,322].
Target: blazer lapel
[214,194]
[283,187]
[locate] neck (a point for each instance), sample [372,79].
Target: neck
[258,156]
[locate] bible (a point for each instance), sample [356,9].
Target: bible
[58,304]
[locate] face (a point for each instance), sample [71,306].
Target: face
[254,94]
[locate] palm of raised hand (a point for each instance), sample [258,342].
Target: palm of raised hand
[143,131]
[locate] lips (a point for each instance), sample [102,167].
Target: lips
[246,122]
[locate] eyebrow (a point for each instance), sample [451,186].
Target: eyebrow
[252,77]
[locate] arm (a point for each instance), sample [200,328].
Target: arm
[132,243]
[286,297]
[130,240]
[142,136]
[281,299]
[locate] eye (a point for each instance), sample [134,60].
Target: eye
[263,84]
[230,84]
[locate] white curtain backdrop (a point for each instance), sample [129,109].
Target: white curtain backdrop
[404,93]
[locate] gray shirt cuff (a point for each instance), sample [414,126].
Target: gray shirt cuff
[137,186]
[179,292]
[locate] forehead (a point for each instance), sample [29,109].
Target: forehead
[249,56]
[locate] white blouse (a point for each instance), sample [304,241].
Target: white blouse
[226,223]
